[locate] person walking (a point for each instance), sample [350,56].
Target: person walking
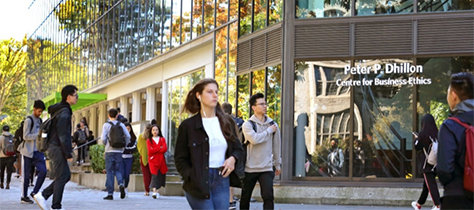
[112,131]
[6,159]
[80,138]
[60,148]
[207,148]
[143,150]
[263,153]
[452,143]
[156,145]
[127,157]
[32,158]
[423,141]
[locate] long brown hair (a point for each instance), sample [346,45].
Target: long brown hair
[193,106]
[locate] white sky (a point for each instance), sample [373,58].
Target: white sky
[14,19]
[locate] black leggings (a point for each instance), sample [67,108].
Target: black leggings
[429,186]
[6,162]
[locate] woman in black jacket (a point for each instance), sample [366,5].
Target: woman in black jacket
[207,149]
[428,133]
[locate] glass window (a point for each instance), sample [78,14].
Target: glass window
[234,9]
[221,62]
[186,19]
[383,132]
[260,14]
[276,11]
[222,12]
[320,9]
[208,15]
[377,7]
[243,96]
[245,17]
[176,24]
[158,28]
[197,18]
[274,93]
[444,5]
[258,81]
[322,113]
[167,41]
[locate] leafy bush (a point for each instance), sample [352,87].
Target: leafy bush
[97,158]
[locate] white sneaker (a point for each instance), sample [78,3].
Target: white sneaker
[126,192]
[154,195]
[40,201]
[157,195]
[416,207]
[435,208]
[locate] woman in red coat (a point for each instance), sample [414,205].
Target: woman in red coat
[156,159]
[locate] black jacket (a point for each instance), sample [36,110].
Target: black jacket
[61,128]
[451,152]
[192,155]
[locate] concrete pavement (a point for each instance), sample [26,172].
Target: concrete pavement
[78,197]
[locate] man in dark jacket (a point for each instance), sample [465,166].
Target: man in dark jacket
[60,148]
[452,143]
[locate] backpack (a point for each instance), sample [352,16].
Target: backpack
[432,157]
[18,138]
[469,159]
[116,135]
[8,146]
[82,139]
[245,143]
[43,139]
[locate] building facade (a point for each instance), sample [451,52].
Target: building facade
[363,72]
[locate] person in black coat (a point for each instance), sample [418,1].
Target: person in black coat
[207,149]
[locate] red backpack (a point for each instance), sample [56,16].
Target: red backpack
[469,160]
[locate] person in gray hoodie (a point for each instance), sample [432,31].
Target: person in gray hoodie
[113,156]
[6,161]
[30,154]
[263,153]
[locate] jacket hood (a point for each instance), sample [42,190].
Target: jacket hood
[256,120]
[58,106]
[6,133]
[464,106]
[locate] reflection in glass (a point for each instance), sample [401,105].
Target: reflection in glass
[208,15]
[186,19]
[197,18]
[158,28]
[222,12]
[260,14]
[377,7]
[176,24]
[243,96]
[444,5]
[320,9]
[258,81]
[386,138]
[274,93]
[234,9]
[221,62]
[276,11]
[322,113]
[245,17]
[167,41]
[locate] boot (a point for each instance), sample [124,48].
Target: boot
[8,186]
[1,185]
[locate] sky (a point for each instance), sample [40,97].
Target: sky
[14,19]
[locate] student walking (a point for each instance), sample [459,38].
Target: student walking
[60,148]
[127,157]
[423,141]
[263,153]
[156,145]
[207,148]
[143,150]
[115,137]
[452,143]
[32,158]
[6,159]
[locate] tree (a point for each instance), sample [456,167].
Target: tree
[13,58]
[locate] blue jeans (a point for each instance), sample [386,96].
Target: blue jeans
[113,160]
[219,198]
[126,169]
[38,161]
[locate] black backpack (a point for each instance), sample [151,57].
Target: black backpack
[244,142]
[116,135]
[43,139]
[18,137]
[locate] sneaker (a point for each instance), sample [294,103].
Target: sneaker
[126,192]
[26,200]
[147,194]
[109,197]
[415,205]
[40,201]
[253,200]
[154,196]
[8,186]
[232,205]
[435,208]
[32,185]
[236,198]
[122,192]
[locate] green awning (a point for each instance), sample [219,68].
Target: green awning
[85,99]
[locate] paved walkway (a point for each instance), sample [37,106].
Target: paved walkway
[78,197]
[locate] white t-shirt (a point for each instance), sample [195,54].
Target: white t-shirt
[156,139]
[217,142]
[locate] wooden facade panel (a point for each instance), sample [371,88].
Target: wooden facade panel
[243,56]
[273,44]
[257,51]
[313,41]
[383,38]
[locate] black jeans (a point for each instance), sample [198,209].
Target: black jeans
[429,186]
[61,173]
[265,179]
[456,202]
[6,162]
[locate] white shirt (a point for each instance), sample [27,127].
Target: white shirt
[156,139]
[217,142]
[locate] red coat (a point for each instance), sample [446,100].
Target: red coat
[156,155]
